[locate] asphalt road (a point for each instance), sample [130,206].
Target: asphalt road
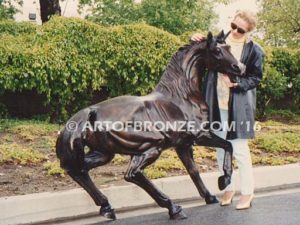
[277,207]
[283,209]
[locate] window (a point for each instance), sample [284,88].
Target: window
[32,16]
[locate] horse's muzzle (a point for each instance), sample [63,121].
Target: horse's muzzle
[239,68]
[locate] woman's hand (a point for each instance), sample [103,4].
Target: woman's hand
[197,37]
[228,81]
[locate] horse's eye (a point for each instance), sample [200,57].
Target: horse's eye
[218,50]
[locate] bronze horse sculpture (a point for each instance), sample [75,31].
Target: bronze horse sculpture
[177,97]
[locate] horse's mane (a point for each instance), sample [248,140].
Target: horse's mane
[175,79]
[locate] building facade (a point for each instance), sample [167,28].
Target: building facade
[30,10]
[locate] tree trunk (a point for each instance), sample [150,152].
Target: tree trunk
[49,8]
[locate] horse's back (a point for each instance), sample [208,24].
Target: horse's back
[152,107]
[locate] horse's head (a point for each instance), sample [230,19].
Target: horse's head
[190,62]
[219,57]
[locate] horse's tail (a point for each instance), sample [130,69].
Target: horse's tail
[71,142]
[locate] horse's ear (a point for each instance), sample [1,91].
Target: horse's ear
[226,35]
[220,36]
[209,39]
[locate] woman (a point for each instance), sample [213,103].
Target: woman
[233,103]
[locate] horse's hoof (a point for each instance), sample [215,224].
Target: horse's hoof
[223,182]
[108,212]
[178,216]
[211,199]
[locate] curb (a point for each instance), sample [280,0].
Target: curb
[34,208]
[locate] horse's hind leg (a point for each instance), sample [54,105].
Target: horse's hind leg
[84,180]
[96,158]
[185,154]
[92,160]
[135,175]
[212,140]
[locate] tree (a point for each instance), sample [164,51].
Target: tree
[175,16]
[49,8]
[279,20]
[178,16]
[8,8]
[112,12]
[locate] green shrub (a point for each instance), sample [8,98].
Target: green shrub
[13,28]
[3,111]
[281,80]
[287,62]
[272,87]
[67,59]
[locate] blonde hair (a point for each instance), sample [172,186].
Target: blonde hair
[248,16]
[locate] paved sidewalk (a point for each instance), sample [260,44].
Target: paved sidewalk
[49,206]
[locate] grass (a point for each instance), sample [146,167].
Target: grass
[119,160]
[154,173]
[40,136]
[275,142]
[26,142]
[34,127]
[168,160]
[31,142]
[273,160]
[14,153]
[278,142]
[201,153]
[53,168]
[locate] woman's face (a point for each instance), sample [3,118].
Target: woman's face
[241,25]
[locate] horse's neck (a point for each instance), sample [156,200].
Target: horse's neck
[182,81]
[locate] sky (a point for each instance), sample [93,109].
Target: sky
[69,8]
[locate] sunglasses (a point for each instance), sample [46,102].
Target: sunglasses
[239,30]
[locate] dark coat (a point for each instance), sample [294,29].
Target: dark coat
[242,100]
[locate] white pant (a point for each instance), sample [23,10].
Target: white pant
[241,153]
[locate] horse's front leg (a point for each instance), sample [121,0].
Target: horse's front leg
[135,175]
[185,154]
[212,140]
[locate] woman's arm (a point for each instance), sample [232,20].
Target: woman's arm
[197,37]
[254,73]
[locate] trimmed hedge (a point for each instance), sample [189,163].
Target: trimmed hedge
[280,86]
[67,59]
[13,28]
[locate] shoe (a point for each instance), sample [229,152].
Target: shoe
[245,202]
[227,198]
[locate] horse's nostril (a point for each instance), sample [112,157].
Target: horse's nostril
[235,67]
